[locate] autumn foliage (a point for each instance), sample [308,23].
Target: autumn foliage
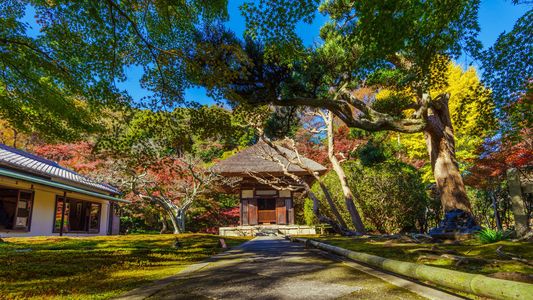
[499,156]
[167,174]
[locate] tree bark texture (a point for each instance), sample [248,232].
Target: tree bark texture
[517,202]
[496,211]
[176,214]
[348,195]
[441,148]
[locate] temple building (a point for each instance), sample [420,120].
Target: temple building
[266,193]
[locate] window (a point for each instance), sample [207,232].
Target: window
[80,216]
[15,209]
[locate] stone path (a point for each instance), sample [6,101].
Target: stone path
[274,268]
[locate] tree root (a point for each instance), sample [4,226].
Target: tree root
[510,256]
[421,238]
[434,250]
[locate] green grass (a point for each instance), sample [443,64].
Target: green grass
[404,251]
[96,267]
[488,236]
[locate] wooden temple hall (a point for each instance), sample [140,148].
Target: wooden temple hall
[263,207]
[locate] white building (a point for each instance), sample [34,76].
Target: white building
[39,197]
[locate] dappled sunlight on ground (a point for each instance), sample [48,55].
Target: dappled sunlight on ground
[484,259]
[96,267]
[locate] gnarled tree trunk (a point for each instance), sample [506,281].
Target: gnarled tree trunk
[441,148]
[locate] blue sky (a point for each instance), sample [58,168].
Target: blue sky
[495,16]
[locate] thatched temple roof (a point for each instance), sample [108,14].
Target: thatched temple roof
[258,159]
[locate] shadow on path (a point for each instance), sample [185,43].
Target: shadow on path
[274,268]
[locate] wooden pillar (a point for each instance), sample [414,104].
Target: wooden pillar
[110,216]
[290,211]
[244,211]
[517,202]
[252,212]
[281,211]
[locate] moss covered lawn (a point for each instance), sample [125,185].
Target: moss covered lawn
[481,258]
[96,267]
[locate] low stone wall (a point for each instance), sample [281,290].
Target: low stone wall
[254,230]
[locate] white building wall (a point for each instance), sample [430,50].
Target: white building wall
[42,219]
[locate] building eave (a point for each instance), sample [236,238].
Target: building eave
[62,186]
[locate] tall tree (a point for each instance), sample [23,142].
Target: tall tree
[398,45]
[472,116]
[57,80]
[324,120]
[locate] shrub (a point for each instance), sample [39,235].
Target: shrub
[489,236]
[208,214]
[309,216]
[390,196]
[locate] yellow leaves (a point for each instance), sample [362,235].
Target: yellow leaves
[415,144]
[471,111]
[393,102]
[471,108]
[383,94]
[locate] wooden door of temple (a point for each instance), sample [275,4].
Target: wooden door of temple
[290,211]
[266,210]
[244,212]
[252,212]
[281,211]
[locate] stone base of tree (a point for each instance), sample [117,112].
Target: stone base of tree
[456,224]
[255,230]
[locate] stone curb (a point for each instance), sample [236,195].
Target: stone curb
[414,286]
[475,284]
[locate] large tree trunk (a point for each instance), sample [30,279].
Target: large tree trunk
[348,195]
[441,148]
[180,220]
[175,214]
[164,227]
[518,206]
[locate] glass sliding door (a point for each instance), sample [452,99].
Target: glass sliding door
[15,209]
[94,217]
[80,216]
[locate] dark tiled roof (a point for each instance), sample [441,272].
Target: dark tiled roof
[254,159]
[30,163]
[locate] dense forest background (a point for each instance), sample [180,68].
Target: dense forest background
[416,134]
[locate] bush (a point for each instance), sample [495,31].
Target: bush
[208,214]
[489,236]
[309,216]
[390,196]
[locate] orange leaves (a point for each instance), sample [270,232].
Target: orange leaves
[77,156]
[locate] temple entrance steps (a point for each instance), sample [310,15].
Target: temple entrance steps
[266,230]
